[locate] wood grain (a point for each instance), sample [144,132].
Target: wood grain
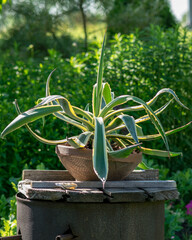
[111,194]
[109,184]
[62,175]
[47,175]
[139,186]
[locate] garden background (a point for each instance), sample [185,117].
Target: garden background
[147,50]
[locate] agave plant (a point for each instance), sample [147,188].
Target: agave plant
[103,126]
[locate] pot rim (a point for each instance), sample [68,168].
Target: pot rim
[86,153]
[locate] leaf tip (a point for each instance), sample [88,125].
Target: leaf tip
[3,134]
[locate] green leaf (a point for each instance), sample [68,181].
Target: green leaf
[148,137]
[48,82]
[29,116]
[47,89]
[120,143]
[70,121]
[87,108]
[115,102]
[107,93]
[141,107]
[74,142]
[100,159]
[67,108]
[115,129]
[124,152]
[84,137]
[153,117]
[103,103]
[80,141]
[109,147]
[98,96]
[139,130]
[157,112]
[129,122]
[77,110]
[39,138]
[44,140]
[112,95]
[166,90]
[160,153]
[94,99]
[158,136]
[143,166]
[116,122]
[86,114]
[65,104]
[158,126]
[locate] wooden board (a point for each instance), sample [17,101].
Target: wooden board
[139,186]
[62,175]
[119,191]
[96,195]
[108,184]
[47,175]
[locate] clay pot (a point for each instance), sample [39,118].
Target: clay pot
[79,164]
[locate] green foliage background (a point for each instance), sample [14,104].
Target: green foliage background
[127,15]
[133,65]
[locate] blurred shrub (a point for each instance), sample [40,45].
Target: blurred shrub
[35,26]
[174,219]
[8,222]
[127,15]
[132,66]
[184,179]
[141,68]
[178,223]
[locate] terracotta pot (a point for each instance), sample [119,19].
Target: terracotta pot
[79,164]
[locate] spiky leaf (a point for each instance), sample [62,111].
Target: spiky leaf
[100,159]
[160,153]
[29,116]
[80,141]
[124,152]
[97,96]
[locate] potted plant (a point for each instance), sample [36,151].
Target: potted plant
[114,153]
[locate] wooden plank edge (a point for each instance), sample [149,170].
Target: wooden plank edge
[64,175]
[110,184]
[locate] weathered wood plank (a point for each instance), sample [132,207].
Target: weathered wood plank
[43,194]
[124,195]
[127,195]
[88,196]
[142,195]
[144,175]
[164,194]
[47,175]
[62,175]
[138,187]
[110,184]
[97,195]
